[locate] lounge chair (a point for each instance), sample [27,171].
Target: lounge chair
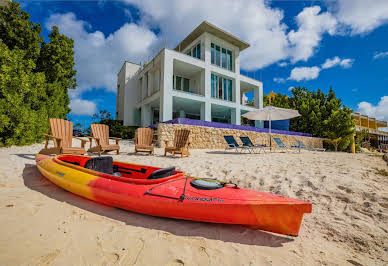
[144,140]
[233,145]
[62,136]
[246,141]
[100,133]
[303,146]
[282,146]
[180,145]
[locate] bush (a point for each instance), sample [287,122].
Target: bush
[117,129]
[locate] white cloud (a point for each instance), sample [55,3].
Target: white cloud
[304,73]
[290,88]
[82,107]
[361,16]
[279,80]
[98,57]
[380,55]
[312,25]
[335,61]
[254,21]
[282,64]
[347,63]
[379,111]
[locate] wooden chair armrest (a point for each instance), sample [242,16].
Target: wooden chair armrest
[116,139]
[83,141]
[50,136]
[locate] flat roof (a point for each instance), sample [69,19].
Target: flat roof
[210,28]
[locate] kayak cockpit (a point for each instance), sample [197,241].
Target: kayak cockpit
[104,166]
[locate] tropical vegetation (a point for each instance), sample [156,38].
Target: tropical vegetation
[322,115]
[35,77]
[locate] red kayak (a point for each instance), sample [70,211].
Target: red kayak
[170,193]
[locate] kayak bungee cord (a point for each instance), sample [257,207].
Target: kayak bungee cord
[183,196]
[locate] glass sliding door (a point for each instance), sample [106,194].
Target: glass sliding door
[186,84]
[223,58]
[230,90]
[225,89]
[220,88]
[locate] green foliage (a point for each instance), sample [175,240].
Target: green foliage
[339,127]
[56,60]
[23,114]
[16,32]
[34,77]
[280,100]
[360,137]
[322,115]
[116,127]
[101,115]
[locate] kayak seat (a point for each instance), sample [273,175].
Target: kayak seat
[165,172]
[103,164]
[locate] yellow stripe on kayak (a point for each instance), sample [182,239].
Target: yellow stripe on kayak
[67,178]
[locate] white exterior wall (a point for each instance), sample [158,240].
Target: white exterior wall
[128,93]
[160,80]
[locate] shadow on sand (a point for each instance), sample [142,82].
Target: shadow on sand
[227,233]
[26,156]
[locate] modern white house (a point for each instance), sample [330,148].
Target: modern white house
[199,79]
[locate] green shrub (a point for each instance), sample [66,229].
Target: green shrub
[117,129]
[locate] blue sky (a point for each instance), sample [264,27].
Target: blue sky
[316,44]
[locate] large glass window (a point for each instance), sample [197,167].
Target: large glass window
[229,60]
[213,54]
[178,83]
[181,84]
[198,55]
[195,51]
[186,85]
[218,59]
[223,58]
[225,89]
[213,85]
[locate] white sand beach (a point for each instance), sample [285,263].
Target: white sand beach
[41,224]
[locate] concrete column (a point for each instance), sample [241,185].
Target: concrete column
[150,83]
[166,101]
[146,115]
[206,112]
[237,93]
[207,49]
[236,116]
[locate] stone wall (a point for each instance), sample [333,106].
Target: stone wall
[213,138]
